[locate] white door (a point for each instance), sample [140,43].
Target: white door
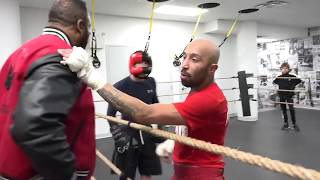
[118,62]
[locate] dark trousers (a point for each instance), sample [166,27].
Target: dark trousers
[284,109]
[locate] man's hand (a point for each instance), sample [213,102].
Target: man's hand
[79,62]
[164,150]
[76,58]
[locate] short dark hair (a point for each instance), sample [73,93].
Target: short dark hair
[285,64]
[67,12]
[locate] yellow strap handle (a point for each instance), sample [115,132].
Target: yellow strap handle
[229,33]
[151,17]
[196,26]
[150,28]
[233,26]
[92,14]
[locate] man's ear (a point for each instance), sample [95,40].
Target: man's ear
[213,67]
[81,25]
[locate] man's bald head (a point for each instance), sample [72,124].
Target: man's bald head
[199,64]
[208,50]
[67,12]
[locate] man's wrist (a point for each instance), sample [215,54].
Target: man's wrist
[93,78]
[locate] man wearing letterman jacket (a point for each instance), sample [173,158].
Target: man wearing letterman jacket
[46,112]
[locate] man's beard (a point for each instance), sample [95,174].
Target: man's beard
[83,43]
[186,83]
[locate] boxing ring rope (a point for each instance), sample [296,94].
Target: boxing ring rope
[181,94]
[282,90]
[235,100]
[175,94]
[279,102]
[219,78]
[245,157]
[285,90]
[235,77]
[168,82]
[263,77]
[110,164]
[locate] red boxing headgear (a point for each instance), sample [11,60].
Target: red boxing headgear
[140,57]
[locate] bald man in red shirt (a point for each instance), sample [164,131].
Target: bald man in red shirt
[204,112]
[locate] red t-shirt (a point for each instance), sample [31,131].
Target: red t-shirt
[205,113]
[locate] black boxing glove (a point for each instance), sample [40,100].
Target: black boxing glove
[120,137]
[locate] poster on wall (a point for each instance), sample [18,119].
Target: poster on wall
[303,55]
[316,61]
[316,40]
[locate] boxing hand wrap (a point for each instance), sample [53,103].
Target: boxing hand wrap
[165,149]
[91,77]
[79,62]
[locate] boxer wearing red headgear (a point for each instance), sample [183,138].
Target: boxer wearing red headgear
[135,149]
[140,64]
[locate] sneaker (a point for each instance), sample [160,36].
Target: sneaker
[296,128]
[285,126]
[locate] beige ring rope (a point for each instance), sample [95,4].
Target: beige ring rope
[109,163]
[264,162]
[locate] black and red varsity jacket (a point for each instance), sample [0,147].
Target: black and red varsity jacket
[46,114]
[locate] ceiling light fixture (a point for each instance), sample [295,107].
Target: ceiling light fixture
[179,10]
[271,4]
[208,5]
[247,11]
[157,1]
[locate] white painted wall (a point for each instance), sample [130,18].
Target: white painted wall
[33,20]
[280,32]
[10,35]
